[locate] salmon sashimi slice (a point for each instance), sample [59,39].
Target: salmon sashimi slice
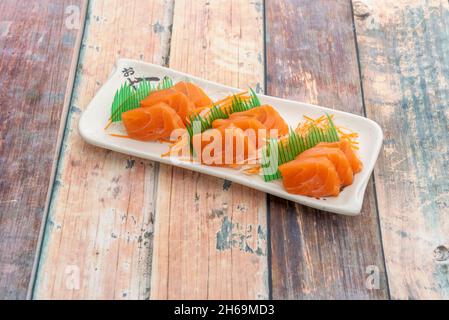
[158,96]
[173,98]
[194,93]
[337,157]
[345,146]
[152,123]
[224,146]
[313,177]
[267,115]
[182,105]
[252,127]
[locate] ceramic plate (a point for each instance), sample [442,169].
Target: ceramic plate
[349,202]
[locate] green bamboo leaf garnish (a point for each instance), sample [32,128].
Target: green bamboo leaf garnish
[270,153]
[294,145]
[128,98]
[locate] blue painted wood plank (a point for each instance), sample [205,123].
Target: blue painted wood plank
[404,56]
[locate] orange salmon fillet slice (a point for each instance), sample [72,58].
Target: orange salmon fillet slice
[313,177]
[152,123]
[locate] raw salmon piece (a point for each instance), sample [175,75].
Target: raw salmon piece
[267,115]
[182,105]
[224,146]
[251,126]
[152,123]
[158,96]
[337,157]
[313,177]
[242,123]
[345,146]
[175,99]
[194,93]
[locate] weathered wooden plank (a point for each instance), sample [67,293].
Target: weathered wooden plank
[210,236]
[39,44]
[404,55]
[311,57]
[98,236]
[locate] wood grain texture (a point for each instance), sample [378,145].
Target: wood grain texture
[38,50]
[99,229]
[311,57]
[404,55]
[210,235]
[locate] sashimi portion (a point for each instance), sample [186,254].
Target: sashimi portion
[338,159]
[195,94]
[267,115]
[152,123]
[312,172]
[252,127]
[313,177]
[345,146]
[158,96]
[173,98]
[224,146]
[182,105]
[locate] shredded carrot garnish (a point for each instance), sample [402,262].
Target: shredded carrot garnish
[199,110]
[119,135]
[166,154]
[228,98]
[322,123]
[253,170]
[176,146]
[226,102]
[108,124]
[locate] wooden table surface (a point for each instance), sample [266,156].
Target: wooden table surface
[79,222]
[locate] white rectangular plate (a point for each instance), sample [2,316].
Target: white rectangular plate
[349,202]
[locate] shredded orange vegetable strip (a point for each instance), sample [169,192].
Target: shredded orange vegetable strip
[226,100]
[119,135]
[108,124]
[321,122]
[253,170]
